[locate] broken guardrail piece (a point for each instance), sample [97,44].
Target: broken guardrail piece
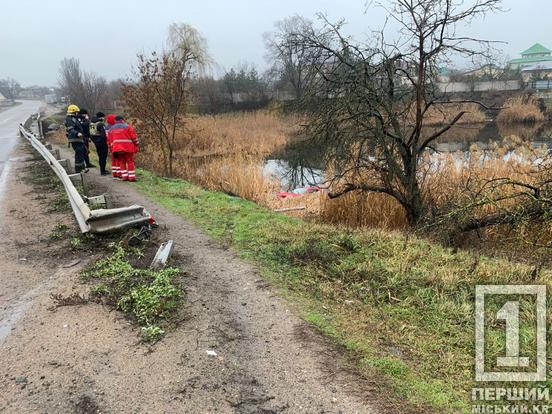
[162,256]
[94,221]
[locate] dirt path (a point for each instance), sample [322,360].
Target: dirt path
[86,359]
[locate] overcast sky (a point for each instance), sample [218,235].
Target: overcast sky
[36,34]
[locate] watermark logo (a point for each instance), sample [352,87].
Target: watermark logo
[500,311]
[512,365]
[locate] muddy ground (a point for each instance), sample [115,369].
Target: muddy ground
[88,358]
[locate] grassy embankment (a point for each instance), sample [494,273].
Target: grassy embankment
[401,306]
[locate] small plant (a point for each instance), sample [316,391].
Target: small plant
[149,296]
[58,231]
[151,333]
[60,202]
[70,300]
[76,243]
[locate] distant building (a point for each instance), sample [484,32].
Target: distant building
[489,71]
[537,71]
[3,100]
[536,54]
[444,74]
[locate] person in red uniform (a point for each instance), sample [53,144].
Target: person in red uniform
[115,172]
[124,144]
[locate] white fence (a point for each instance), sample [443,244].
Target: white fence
[483,86]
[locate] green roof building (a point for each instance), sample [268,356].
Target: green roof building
[535,54]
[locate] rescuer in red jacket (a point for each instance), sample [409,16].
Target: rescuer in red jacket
[115,172]
[124,145]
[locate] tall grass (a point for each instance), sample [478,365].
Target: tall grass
[443,113]
[521,109]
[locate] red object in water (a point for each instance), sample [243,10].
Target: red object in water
[285,194]
[298,192]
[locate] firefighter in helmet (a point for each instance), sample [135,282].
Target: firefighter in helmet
[75,135]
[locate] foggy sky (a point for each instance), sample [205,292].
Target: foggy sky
[36,34]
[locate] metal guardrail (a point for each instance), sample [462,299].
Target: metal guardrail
[94,221]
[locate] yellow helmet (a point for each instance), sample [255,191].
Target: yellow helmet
[71,109]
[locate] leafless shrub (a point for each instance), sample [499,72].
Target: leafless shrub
[86,89]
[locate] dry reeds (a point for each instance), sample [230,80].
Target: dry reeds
[521,109]
[223,135]
[357,209]
[439,114]
[239,174]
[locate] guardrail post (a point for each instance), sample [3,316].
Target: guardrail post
[40,130]
[77,178]
[64,163]
[97,201]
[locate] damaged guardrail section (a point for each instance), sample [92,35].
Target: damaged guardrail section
[93,221]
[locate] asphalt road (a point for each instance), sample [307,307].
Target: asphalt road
[9,121]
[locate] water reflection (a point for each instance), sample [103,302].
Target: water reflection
[297,165]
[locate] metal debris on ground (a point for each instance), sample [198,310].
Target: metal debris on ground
[143,235]
[284,210]
[162,256]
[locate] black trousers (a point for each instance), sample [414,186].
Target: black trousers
[80,154]
[102,150]
[86,156]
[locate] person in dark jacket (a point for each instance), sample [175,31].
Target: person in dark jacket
[84,119]
[99,138]
[75,135]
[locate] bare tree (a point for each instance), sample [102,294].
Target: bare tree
[368,103]
[188,45]
[159,96]
[70,79]
[10,88]
[289,59]
[87,89]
